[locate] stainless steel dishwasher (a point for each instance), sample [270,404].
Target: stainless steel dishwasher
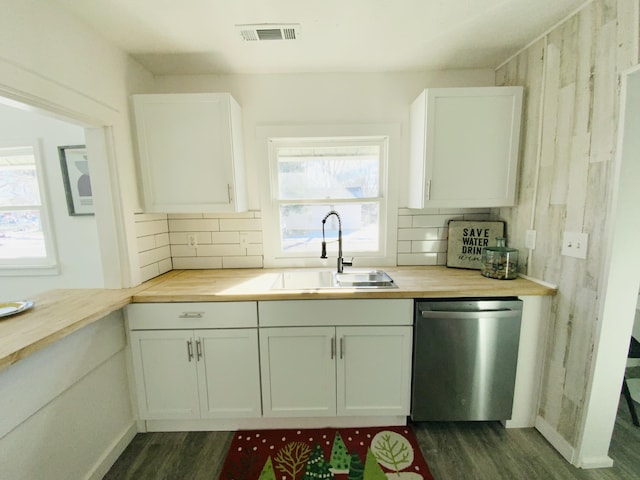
[464,359]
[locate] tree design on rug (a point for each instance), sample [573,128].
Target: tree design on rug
[394,452]
[267,471]
[356,468]
[372,470]
[292,458]
[317,466]
[340,458]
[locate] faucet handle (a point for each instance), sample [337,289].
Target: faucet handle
[348,263]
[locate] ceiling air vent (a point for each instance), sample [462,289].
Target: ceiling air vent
[269,31]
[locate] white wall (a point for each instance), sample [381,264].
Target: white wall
[50,60]
[75,237]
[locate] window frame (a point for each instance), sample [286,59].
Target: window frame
[47,265]
[387,136]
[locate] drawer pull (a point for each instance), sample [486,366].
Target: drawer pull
[192,315]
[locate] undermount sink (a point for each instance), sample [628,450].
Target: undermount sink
[323,279]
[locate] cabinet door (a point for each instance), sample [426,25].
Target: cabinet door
[190,157]
[228,369]
[166,377]
[464,147]
[374,370]
[298,371]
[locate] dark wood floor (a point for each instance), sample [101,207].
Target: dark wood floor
[454,451]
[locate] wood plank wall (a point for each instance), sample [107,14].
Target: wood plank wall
[572,85]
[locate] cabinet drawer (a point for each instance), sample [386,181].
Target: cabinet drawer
[154,316]
[306,313]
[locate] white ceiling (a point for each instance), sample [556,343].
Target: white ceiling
[199,36]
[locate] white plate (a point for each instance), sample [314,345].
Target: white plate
[11,308]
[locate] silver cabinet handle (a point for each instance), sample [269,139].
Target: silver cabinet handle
[428,189]
[229,194]
[198,349]
[192,315]
[341,347]
[189,350]
[333,348]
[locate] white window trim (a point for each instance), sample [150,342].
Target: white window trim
[389,192]
[49,264]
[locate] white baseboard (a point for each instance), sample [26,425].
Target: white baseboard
[555,439]
[596,462]
[110,456]
[232,424]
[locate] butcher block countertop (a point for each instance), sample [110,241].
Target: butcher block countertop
[58,313]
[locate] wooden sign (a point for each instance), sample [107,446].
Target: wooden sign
[466,240]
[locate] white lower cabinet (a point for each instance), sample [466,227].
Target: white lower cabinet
[183,374]
[312,371]
[195,373]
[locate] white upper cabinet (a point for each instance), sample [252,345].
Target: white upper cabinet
[464,147]
[191,152]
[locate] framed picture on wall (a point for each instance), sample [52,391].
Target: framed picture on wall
[76,179]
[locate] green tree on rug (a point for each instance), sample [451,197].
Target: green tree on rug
[340,458]
[392,450]
[356,468]
[292,458]
[372,470]
[317,466]
[267,471]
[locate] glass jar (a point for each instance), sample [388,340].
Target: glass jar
[500,262]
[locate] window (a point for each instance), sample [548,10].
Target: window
[309,177]
[24,242]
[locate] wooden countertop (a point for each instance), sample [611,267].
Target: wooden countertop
[255,284]
[58,313]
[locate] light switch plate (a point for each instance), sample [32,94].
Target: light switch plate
[530,240]
[574,244]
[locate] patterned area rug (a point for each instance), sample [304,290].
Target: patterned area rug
[379,453]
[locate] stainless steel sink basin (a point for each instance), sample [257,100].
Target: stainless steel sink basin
[324,279]
[372,278]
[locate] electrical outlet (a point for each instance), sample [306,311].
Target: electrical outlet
[192,240]
[574,244]
[244,239]
[530,240]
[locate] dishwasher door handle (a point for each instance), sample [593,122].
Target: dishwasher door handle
[501,313]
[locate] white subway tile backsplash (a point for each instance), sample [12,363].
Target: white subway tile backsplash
[162,239]
[146,243]
[434,220]
[148,272]
[428,246]
[404,246]
[179,250]
[419,234]
[154,256]
[240,224]
[164,266]
[225,237]
[231,249]
[151,228]
[418,259]
[242,262]
[234,215]
[194,225]
[189,263]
